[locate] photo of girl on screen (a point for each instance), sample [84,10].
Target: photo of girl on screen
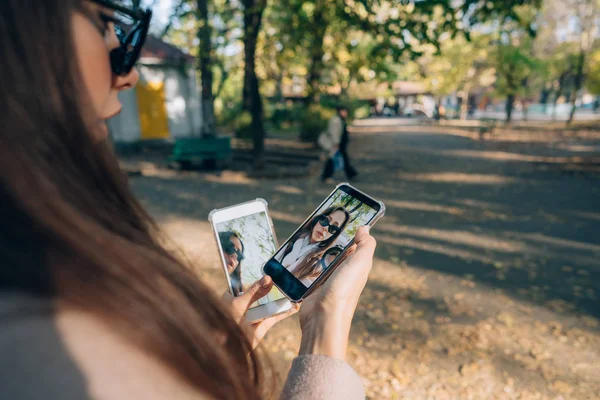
[309,251]
[233,250]
[316,237]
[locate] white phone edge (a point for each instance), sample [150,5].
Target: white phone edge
[266,310]
[330,270]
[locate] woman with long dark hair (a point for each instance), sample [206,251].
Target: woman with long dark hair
[310,243]
[92,304]
[233,250]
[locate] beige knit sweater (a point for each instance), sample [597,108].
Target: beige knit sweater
[68,355]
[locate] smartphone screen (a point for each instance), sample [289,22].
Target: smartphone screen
[247,243]
[317,244]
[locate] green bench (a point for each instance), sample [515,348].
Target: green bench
[211,152]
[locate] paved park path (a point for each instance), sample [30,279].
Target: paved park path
[486,282]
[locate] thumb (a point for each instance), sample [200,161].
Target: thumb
[257,291]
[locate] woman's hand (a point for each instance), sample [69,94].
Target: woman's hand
[239,307]
[326,314]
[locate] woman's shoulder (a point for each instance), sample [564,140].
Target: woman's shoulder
[95,345]
[74,354]
[33,351]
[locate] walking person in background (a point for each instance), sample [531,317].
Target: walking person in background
[335,141]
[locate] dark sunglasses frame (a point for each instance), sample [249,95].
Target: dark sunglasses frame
[229,248]
[324,221]
[124,58]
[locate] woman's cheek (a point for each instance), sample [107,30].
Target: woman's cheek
[93,61]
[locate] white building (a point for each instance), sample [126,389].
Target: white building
[165,104]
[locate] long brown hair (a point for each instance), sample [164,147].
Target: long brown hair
[72,230]
[311,267]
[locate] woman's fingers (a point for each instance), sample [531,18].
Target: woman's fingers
[257,291]
[262,327]
[365,246]
[364,239]
[363,251]
[350,250]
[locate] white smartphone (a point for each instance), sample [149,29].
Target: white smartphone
[245,241]
[311,254]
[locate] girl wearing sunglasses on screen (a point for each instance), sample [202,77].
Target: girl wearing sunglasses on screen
[92,304]
[233,250]
[312,241]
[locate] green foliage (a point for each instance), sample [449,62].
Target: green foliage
[354,49]
[461,64]
[358,109]
[593,75]
[514,64]
[282,115]
[313,121]
[242,125]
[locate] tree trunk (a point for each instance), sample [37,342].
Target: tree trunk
[205,68]
[224,77]
[316,52]
[355,208]
[464,103]
[252,103]
[578,84]
[524,105]
[279,88]
[510,102]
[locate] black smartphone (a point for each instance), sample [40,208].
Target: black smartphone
[313,251]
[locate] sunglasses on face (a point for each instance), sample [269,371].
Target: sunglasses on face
[230,249]
[131,28]
[324,222]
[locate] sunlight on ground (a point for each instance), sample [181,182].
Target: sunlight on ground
[458,177]
[423,206]
[538,237]
[481,246]
[458,237]
[239,178]
[502,156]
[482,154]
[478,203]
[463,340]
[587,215]
[579,148]
[288,189]
[435,248]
